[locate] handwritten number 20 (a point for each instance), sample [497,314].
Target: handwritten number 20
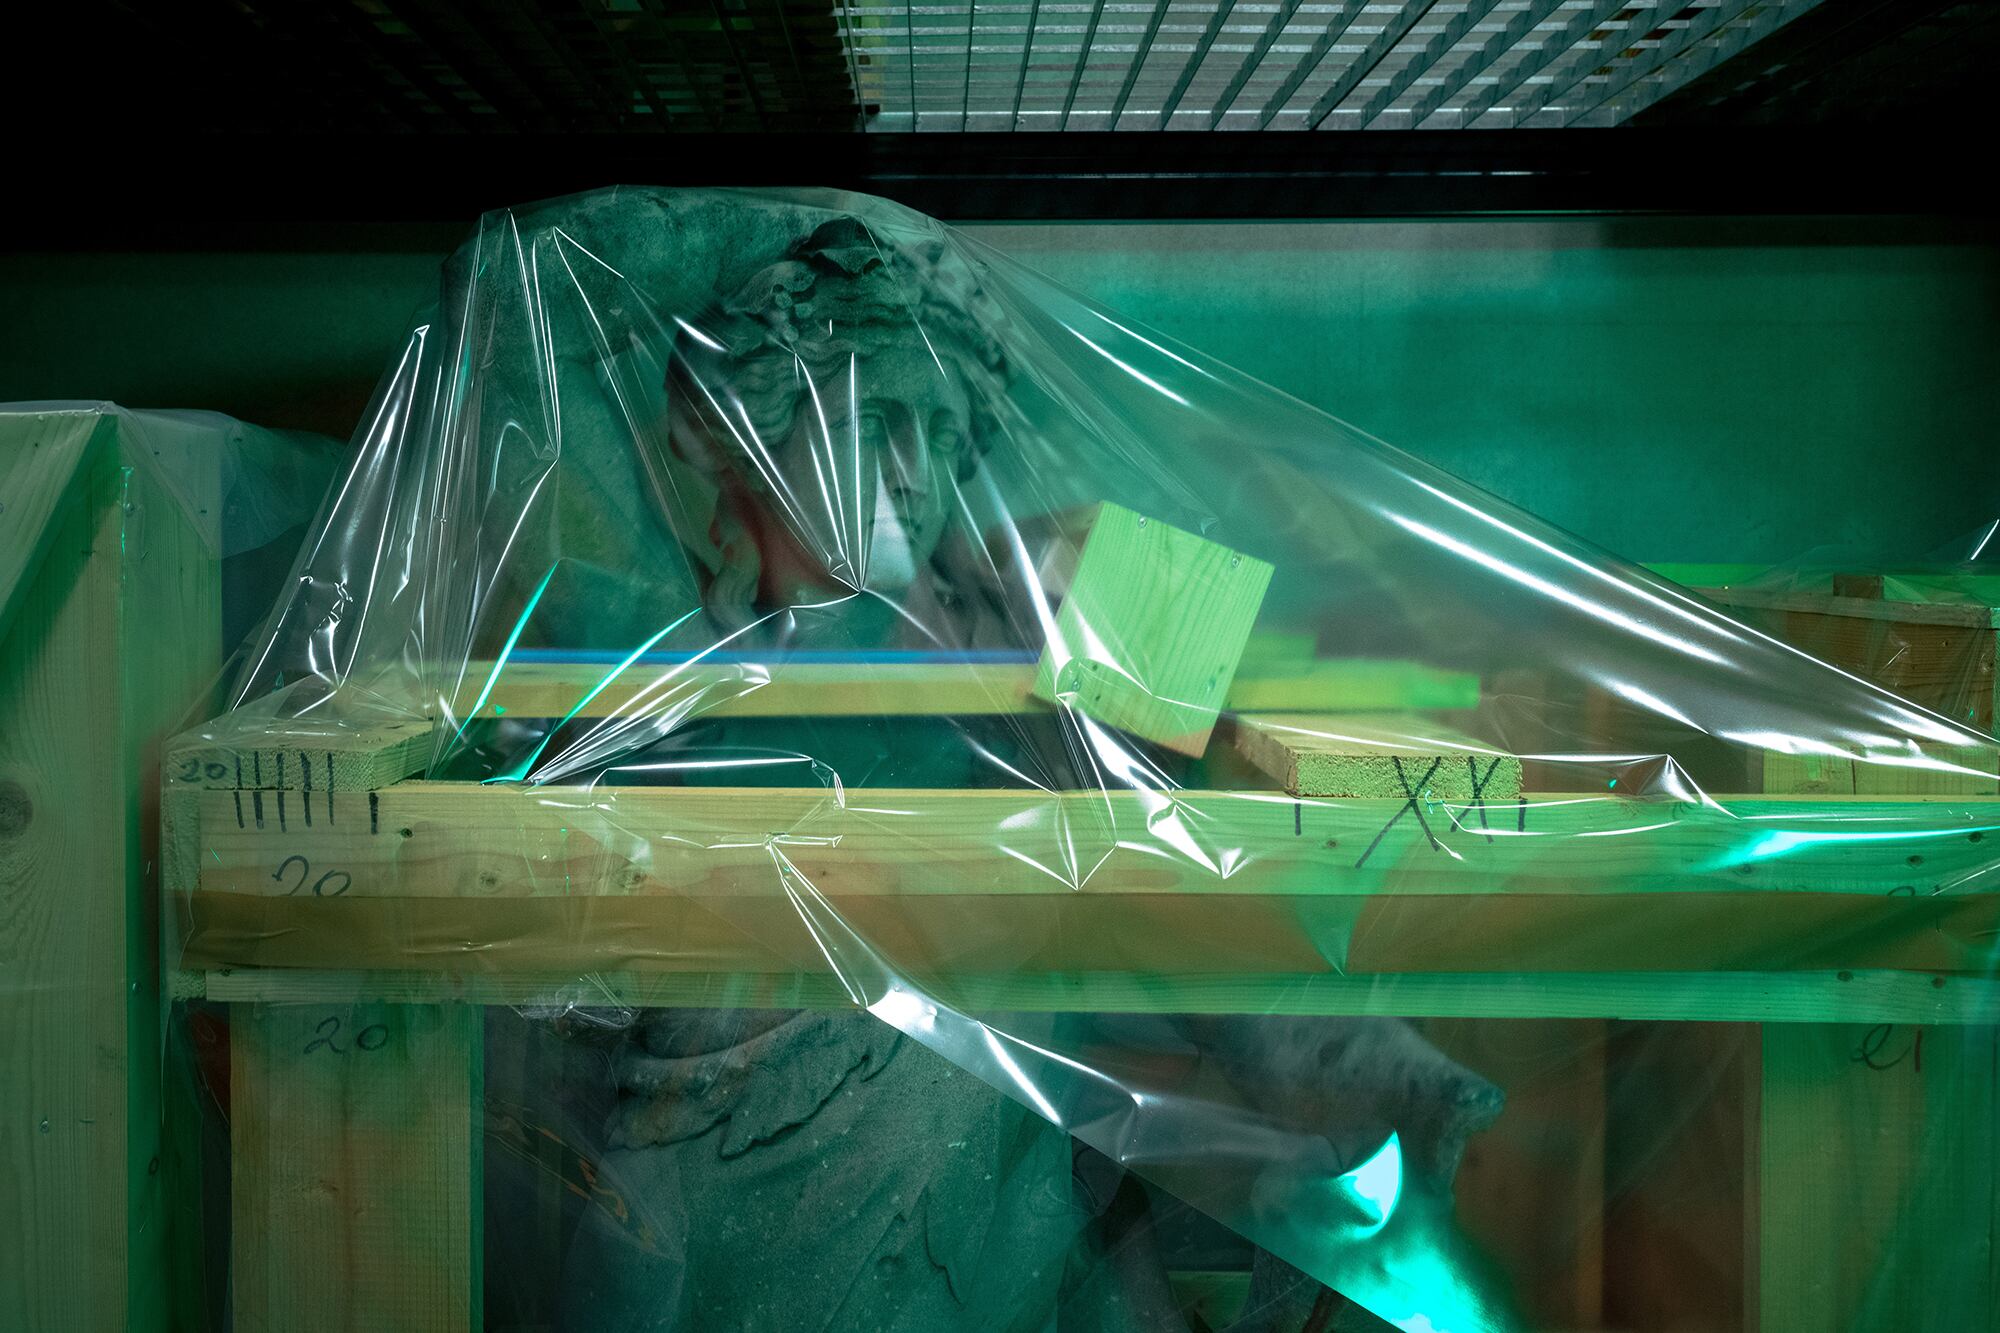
[371,1038]
[323,887]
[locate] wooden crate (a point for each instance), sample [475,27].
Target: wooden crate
[355,918]
[109,640]
[1932,636]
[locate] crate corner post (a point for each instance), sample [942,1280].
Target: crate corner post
[110,632]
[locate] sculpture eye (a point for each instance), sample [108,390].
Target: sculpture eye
[874,430]
[946,435]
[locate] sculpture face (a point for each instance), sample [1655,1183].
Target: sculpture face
[914,429]
[835,401]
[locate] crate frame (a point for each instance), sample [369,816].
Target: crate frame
[1822,940]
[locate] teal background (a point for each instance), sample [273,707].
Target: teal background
[1684,390]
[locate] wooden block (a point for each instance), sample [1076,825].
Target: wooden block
[112,639]
[355,1142]
[327,749]
[1151,628]
[1374,755]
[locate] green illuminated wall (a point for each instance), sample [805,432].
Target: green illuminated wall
[1695,391]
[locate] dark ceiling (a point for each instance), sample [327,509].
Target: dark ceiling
[165,121]
[679,66]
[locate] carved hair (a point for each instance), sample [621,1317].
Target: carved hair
[842,293]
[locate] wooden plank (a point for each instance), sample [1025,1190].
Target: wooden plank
[1877,1177]
[569,882]
[1373,754]
[463,839]
[939,934]
[1974,771]
[1955,586]
[114,641]
[1730,997]
[42,459]
[1357,685]
[1963,614]
[881,689]
[355,1142]
[1150,629]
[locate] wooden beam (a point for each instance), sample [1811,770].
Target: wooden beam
[355,1140]
[1873,1174]
[530,688]
[446,839]
[113,641]
[1972,772]
[1876,1177]
[1963,614]
[1731,997]
[710,878]
[937,934]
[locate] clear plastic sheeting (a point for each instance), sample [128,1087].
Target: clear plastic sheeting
[809,777]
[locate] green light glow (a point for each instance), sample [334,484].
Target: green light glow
[1377,1184]
[521,770]
[506,651]
[1782,842]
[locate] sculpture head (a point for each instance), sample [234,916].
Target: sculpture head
[835,401]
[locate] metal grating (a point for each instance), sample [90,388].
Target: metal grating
[1286,64]
[626,67]
[550,66]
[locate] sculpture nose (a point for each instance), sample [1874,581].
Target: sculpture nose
[909,458]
